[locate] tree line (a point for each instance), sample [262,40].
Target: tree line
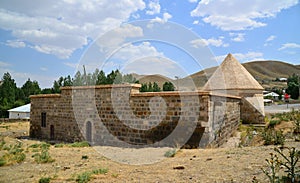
[12,96]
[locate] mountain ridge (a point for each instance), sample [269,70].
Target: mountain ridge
[265,72]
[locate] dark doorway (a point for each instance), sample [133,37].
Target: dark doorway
[88,132]
[51,132]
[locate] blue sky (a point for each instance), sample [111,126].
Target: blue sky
[43,40]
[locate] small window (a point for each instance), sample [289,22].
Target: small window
[43,119]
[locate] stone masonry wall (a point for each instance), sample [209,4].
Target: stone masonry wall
[118,115]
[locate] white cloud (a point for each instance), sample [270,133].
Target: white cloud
[115,38]
[243,57]
[270,38]
[196,22]
[4,64]
[239,15]
[15,43]
[196,43]
[154,65]
[43,68]
[289,45]
[237,37]
[154,8]
[50,30]
[193,1]
[133,52]
[164,19]
[72,65]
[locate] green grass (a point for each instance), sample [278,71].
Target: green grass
[100,171]
[86,176]
[13,155]
[43,157]
[80,144]
[44,180]
[59,145]
[170,153]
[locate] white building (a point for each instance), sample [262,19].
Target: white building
[272,95]
[22,112]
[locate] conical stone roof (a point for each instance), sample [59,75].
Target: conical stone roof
[231,75]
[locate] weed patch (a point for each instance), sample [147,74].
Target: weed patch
[80,144]
[13,155]
[44,180]
[170,153]
[286,162]
[86,176]
[43,157]
[273,137]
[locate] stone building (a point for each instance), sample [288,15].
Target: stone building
[119,115]
[233,79]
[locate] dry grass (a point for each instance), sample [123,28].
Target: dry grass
[196,165]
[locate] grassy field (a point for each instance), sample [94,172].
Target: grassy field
[29,160]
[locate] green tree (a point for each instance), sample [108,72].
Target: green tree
[128,78]
[150,87]
[30,88]
[8,89]
[111,77]
[168,86]
[144,88]
[101,78]
[293,86]
[156,88]
[68,81]
[47,91]
[77,80]
[118,77]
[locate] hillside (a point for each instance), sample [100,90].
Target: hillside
[270,70]
[265,72]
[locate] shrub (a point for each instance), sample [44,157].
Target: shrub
[273,137]
[273,123]
[44,180]
[170,153]
[100,171]
[80,144]
[43,157]
[14,155]
[289,165]
[84,177]
[42,146]
[58,145]
[34,146]
[84,157]
[2,161]
[273,166]
[2,143]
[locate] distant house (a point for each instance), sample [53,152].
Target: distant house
[22,112]
[283,79]
[272,95]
